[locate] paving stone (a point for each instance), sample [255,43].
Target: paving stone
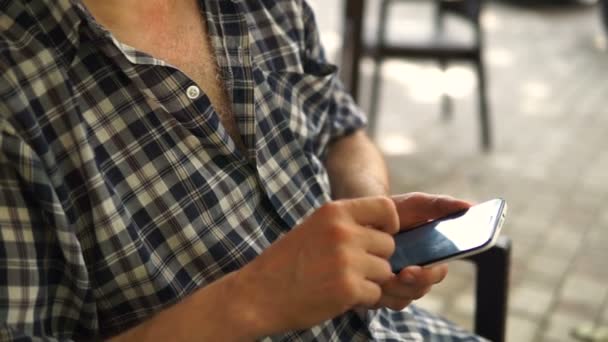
[591,263]
[597,237]
[464,304]
[550,159]
[565,241]
[564,254]
[530,299]
[577,308]
[521,329]
[583,291]
[561,324]
[596,176]
[546,269]
[554,339]
[604,217]
[604,319]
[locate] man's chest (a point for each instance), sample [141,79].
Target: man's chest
[188,47]
[198,62]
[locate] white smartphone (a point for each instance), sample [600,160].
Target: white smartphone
[455,236]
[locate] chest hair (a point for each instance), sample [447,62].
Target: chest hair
[188,47]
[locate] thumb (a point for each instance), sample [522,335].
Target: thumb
[416,208]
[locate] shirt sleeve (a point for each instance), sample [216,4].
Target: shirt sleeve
[345,116]
[44,291]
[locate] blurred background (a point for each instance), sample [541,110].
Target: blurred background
[547,78]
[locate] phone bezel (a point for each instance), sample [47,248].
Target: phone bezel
[498,222]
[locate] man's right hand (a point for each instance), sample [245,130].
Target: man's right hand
[333,261]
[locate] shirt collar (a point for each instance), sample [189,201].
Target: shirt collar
[87,19]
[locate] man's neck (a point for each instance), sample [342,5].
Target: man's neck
[138,19]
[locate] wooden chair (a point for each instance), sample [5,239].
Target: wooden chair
[492,290]
[440,48]
[492,266]
[604,14]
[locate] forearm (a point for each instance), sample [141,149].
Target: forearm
[217,312]
[356,167]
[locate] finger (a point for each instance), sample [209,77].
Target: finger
[423,276]
[416,208]
[393,303]
[395,288]
[377,212]
[376,242]
[376,269]
[370,294]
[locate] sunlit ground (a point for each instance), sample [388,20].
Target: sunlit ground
[548,79]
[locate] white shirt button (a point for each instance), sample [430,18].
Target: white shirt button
[193,92]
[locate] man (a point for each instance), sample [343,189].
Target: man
[165,174]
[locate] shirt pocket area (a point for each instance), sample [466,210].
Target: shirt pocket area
[297,102]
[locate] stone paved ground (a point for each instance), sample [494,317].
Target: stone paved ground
[549,98]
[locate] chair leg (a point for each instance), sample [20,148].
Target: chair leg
[447,108]
[377,73]
[352,46]
[484,115]
[372,114]
[492,290]
[604,13]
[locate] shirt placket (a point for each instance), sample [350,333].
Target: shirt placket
[171,89]
[229,35]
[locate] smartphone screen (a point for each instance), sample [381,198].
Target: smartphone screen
[455,235]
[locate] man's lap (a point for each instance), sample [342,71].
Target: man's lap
[415,324]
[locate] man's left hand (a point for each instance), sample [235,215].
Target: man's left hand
[414,282]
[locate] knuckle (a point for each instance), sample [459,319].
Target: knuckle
[350,286]
[436,274]
[440,203]
[344,291]
[387,202]
[390,245]
[342,259]
[436,203]
[371,295]
[376,294]
[331,209]
[340,233]
[385,268]
[389,205]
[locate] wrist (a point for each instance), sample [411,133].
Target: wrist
[243,307]
[217,312]
[237,308]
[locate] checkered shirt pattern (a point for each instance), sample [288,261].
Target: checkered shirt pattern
[120,194]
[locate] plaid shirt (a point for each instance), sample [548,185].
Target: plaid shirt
[121,192]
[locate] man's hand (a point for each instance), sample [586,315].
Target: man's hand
[414,282]
[334,261]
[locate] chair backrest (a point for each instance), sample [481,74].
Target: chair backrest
[467,9]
